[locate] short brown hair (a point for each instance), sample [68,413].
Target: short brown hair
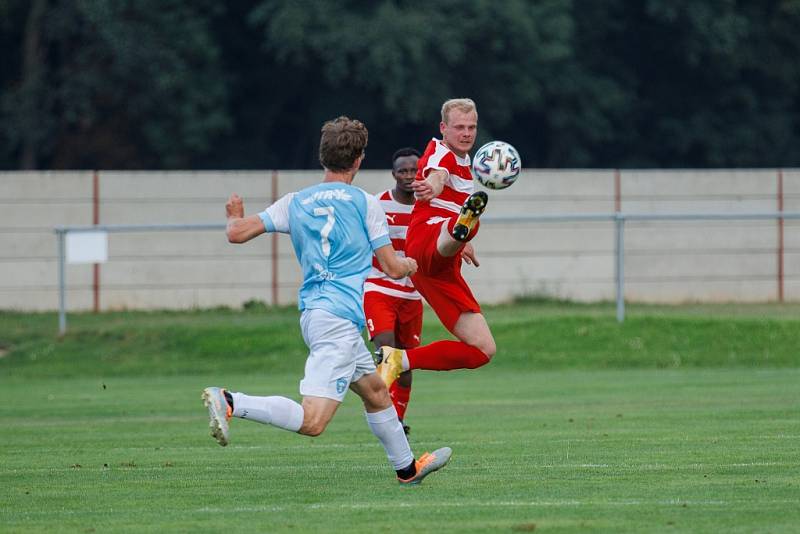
[464,105]
[343,141]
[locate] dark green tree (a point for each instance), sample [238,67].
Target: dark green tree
[712,83]
[393,63]
[128,84]
[571,83]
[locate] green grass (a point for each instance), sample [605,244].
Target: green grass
[529,334]
[682,419]
[619,450]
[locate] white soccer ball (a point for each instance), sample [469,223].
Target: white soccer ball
[496,165]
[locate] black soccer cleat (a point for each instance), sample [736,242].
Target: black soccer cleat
[470,213]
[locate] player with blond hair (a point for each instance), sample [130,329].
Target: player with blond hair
[444,220]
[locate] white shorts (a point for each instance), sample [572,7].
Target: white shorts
[337,357]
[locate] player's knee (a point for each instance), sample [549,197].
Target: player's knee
[383,339]
[377,399]
[488,348]
[404,379]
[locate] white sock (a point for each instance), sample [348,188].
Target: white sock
[276,411]
[389,431]
[406,365]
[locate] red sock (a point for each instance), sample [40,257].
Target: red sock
[400,395]
[446,355]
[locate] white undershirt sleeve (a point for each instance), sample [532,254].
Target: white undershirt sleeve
[376,223]
[276,217]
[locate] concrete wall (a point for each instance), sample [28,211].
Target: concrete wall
[665,261]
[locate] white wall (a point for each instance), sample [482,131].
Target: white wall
[665,261]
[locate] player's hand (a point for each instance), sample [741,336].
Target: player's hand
[431,186]
[468,255]
[423,190]
[412,266]
[234,207]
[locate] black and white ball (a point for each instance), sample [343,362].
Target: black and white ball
[496,165]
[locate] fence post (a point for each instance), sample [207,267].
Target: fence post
[274,243]
[780,258]
[619,244]
[62,295]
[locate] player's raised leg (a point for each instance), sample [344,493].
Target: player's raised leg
[475,348]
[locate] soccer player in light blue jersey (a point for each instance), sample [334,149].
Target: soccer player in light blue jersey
[335,228]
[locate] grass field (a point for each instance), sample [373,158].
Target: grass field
[682,419]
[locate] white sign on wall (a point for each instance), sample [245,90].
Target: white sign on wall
[87,247]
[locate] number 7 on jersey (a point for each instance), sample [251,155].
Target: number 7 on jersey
[325,231]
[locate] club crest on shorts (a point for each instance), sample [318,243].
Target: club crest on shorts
[341,385]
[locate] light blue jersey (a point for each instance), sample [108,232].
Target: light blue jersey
[335,228]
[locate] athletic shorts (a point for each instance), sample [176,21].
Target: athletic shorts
[439,278]
[337,357]
[386,313]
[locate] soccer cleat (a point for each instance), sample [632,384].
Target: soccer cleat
[219,413]
[470,213]
[390,363]
[427,464]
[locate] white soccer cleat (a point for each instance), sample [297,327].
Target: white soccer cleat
[219,413]
[427,464]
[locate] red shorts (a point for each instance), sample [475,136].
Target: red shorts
[439,278]
[403,317]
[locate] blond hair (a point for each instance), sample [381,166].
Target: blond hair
[464,105]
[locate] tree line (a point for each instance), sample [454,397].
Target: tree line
[200,84]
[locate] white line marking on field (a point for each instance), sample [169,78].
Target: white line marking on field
[483,504]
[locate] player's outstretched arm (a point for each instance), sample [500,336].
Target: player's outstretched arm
[431,186]
[394,266]
[241,229]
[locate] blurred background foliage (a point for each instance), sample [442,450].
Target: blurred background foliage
[198,84]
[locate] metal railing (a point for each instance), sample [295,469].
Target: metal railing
[62,231]
[619,219]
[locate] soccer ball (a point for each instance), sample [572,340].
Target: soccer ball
[496,165]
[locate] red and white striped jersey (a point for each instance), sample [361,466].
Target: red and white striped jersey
[397,217]
[458,186]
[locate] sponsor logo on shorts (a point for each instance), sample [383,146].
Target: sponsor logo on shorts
[341,385]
